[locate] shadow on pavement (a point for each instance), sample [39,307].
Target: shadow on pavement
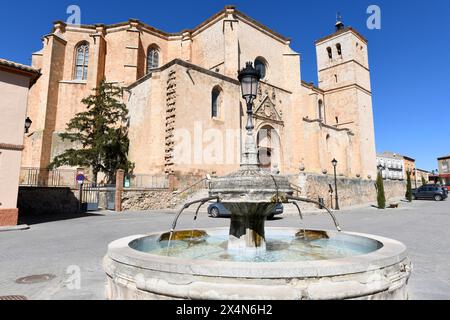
[38,219]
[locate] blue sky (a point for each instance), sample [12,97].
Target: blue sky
[409,56]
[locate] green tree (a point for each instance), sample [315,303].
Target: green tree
[381,197]
[424,181]
[100,134]
[409,195]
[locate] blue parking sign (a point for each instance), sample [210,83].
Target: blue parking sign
[81,178]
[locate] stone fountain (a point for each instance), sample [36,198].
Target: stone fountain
[248,261]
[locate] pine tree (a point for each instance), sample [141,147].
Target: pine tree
[100,134]
[381,197]
[409,195]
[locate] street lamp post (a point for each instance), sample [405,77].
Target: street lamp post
[335,163]
[249,78]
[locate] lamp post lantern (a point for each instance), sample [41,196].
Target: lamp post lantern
[249,78]
[28,124]
[335,163]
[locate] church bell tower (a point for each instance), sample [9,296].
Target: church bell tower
[344,75]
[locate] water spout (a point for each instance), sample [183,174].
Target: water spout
[336,223]
[301,217]
[187,206]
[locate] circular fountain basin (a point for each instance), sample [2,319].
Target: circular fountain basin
[297,265]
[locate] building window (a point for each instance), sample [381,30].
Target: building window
[81,61]
[261,66]
[216,97]
[321,111]
[152,58]
[336,78]
[339,49]
[330,53]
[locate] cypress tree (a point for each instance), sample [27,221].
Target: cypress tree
[381,197]
[409,195]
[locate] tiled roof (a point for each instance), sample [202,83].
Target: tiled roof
[344,30]
[389,154]
[18,66]
[444,157]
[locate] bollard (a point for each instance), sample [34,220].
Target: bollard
[322,203]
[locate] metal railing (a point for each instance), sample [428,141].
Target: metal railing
[38,177]
[143,181]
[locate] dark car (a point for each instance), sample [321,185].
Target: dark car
[431,192]
[217,210]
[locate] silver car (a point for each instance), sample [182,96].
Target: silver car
[217,210]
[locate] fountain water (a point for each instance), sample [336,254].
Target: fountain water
[248,261]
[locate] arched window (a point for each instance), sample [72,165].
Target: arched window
[81,61]
[216,97]
[339,49]
[321,111]
[261,66]
[152,58]
[330,53]
[327,141]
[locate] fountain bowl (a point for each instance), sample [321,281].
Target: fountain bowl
[381,273]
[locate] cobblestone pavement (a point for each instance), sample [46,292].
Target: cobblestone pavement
[61,247]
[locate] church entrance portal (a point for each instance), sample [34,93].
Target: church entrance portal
[269,149]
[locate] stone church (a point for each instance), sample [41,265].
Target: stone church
[184,99]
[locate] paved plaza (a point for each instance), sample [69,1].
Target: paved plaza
[60,247]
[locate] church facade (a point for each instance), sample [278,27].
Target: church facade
[186,111]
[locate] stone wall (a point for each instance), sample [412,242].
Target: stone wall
[142,200]
[47,200]
[351,191]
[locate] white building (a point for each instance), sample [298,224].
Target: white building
[392,166]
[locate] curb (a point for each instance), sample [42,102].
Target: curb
[15,228]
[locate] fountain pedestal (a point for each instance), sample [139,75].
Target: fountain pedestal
[247,228]
[251,196]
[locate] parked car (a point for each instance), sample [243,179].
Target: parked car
[431,192]
[217,210]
